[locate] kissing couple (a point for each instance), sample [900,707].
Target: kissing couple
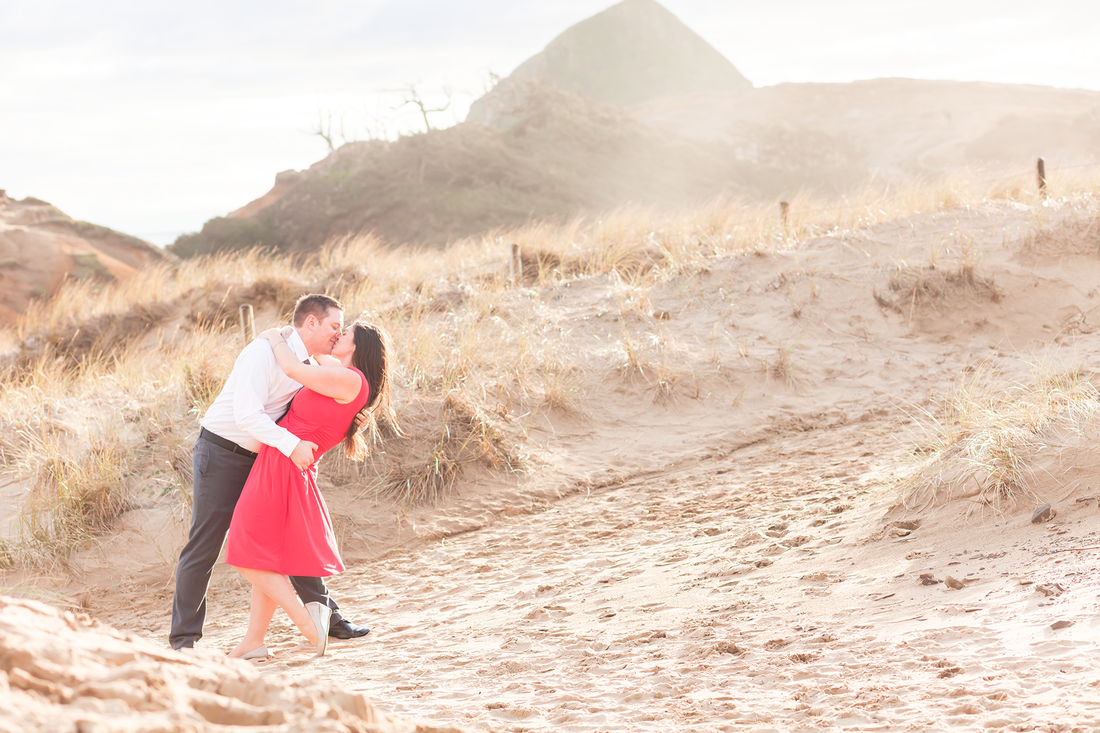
[255,473]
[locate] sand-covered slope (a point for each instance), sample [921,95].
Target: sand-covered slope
[743,503]
[66,672]
[892,128]
[738,512]
[40,246]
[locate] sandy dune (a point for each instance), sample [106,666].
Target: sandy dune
[736,592]
[709,540]
[40,246]
[66,672]
[895,128]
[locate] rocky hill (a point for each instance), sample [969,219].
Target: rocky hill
[40,246]
[630,53]
[564,156]
[549,142]
[632,107]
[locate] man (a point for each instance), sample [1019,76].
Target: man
[240,421]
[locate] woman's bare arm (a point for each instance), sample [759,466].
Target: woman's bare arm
[336,382]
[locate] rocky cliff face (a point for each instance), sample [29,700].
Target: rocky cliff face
[630,53]
[40,246]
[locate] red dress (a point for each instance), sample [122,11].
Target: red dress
[281,522]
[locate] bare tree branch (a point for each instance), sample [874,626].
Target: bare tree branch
[411,95]
[323,129]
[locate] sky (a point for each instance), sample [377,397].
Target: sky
[151,118]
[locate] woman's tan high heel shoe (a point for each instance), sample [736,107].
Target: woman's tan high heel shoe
[320,616]
[257,653]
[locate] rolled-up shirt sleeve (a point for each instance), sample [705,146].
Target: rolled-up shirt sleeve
[250,396]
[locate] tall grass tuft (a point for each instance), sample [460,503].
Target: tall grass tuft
[987,435]
[77,480]
[1077,231]
[428,462]
[786,367]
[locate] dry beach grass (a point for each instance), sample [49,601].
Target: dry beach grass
[686,473]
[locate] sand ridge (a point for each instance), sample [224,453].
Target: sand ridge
[707,541]
[68,672]
[727,596]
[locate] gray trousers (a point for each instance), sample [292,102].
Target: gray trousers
[219,477]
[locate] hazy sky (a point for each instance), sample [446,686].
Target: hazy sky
[153,117]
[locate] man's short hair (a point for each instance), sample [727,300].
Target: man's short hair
[314,304]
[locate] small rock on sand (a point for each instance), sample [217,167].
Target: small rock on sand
[928,579]
[1045,513]
[1063,624]
[952,583]
[1050,589]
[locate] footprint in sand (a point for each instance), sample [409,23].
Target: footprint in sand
[749,538]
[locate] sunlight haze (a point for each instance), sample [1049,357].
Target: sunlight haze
[152,119]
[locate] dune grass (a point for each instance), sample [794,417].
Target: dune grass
[985,437]
[103,384]
[1075,232]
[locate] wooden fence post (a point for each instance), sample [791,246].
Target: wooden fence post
[248,326]
[1041,175]
[785,214]
[515,264]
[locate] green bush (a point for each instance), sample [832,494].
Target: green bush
[221,234]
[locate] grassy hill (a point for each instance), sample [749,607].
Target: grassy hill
[632,107]
[564,156]
[546,143]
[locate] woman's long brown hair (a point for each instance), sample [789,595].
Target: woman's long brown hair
[372,357]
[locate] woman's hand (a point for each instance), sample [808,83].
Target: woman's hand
[274,335]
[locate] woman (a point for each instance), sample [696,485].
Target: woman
[281,525]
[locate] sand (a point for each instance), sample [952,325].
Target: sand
[67,672]
[40,246]
[712,542]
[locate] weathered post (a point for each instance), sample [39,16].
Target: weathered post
[248,326]
[515,264]
[785,215]
[1041,175]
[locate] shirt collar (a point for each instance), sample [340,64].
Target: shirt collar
[294,341]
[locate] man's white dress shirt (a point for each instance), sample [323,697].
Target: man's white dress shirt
[255,395]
